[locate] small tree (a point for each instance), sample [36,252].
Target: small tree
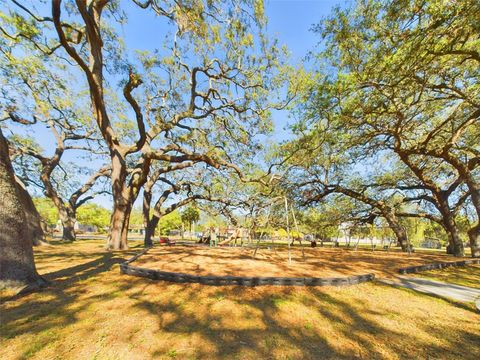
[94,215]
[169,222]
[47,210]
[190,215]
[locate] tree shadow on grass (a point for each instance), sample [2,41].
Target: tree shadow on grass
[299,340]
[463,305]
[228,341]
[228,322]
[51,306]
[365,332]
[84,271]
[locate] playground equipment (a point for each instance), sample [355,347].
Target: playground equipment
[211,237]
[290,239]
[223,236]
[238,233]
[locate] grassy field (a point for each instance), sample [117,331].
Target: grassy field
[466,276]
[93,312]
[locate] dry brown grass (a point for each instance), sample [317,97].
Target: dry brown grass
[93,312]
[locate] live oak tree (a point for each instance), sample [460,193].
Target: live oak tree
[183,186]
[209,89]
[438,195]
[168,187]
[17,266]
[39,90]
[33,220]
[56,181]
[441,195]
[212,85]
[450,72]
[379,204]
[324,161]
[174,184]
[402,78]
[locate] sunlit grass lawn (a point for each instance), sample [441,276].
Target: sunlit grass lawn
[93,312]
[465,275]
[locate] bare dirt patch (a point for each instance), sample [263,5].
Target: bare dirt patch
[319,262]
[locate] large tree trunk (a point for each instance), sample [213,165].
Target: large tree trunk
[122,205]
[65,213]
[68,233]
[456,244]
[68,217]
[474,232]
[120,221]
[474,189]
[474,236]
[126,223]
[402,237]
[150,231]
[32,217]
[147,223]
[123,198]
[17,265]
[398,230]
[118,239]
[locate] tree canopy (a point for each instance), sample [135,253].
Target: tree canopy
[385,129]
[391,117]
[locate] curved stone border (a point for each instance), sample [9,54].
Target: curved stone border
[437,265]
[126,268]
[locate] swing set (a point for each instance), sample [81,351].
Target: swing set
[290,239]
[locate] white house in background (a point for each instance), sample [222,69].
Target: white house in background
[345,230]
[136,229]
[77,227]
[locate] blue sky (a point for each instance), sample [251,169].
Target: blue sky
[289,21]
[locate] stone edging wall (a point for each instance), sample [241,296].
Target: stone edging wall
[437,265]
